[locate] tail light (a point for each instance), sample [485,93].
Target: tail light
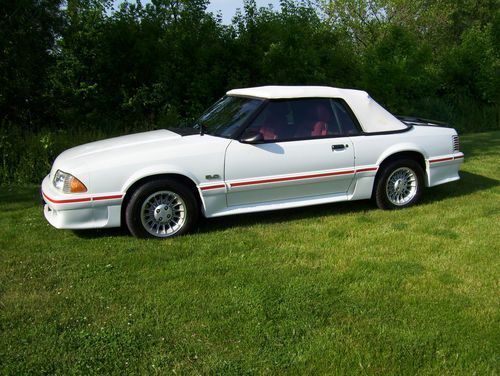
[455,143]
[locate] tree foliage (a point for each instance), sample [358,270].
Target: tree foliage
[28,30]
[82,66]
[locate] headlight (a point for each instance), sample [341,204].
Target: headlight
[68,183]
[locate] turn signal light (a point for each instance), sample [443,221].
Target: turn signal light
[76,185]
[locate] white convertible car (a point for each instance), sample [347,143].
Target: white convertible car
[256,149]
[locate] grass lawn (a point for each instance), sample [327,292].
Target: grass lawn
[335,289]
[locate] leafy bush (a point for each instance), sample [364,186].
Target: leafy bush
[83,72]
[27,156]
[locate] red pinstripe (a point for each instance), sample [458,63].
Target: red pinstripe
[367,169]
[441,160]
[277,180]
[107,198]
[446,159]
[290,178]
[83,199]
[208,187]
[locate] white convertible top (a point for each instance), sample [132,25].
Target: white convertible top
[372,116]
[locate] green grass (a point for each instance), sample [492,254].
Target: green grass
[336,289]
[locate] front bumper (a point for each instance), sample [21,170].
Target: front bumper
[80,211]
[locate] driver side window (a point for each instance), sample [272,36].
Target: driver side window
[303,119]
[275,122]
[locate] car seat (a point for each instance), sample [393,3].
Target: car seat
[323,117]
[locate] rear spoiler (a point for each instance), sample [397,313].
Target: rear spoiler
[411,121]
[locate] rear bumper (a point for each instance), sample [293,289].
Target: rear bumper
[80,211]
[444,169]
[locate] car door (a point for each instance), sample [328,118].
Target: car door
[303,155]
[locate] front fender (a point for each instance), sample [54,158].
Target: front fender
[163,169]
[160,169]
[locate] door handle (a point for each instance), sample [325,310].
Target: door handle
[339,147]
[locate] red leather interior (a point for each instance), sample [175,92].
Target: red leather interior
[268,133]
[323,116]
[319,129]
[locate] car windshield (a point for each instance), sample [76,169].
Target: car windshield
[226,116]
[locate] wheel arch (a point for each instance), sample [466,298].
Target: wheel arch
[415,155]
[188,182]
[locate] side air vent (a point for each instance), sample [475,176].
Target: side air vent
[456,143]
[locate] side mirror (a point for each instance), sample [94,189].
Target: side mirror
[252,137]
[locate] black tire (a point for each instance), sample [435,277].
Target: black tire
[384,192]
[144,218]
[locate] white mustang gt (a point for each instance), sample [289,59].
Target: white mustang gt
[256,149]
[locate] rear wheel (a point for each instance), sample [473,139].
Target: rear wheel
[400,185]
[161,209]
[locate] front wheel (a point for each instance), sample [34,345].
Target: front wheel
[161,209]
[400,185]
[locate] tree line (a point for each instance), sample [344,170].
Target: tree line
[80,67]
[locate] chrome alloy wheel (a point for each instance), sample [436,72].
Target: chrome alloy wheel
[163,213]
[401,186]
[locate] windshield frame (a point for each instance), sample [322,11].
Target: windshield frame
[238,130]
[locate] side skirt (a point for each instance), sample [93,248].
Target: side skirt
[278,205]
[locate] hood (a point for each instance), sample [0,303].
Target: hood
[144,139]
[126,154]
[95,153]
